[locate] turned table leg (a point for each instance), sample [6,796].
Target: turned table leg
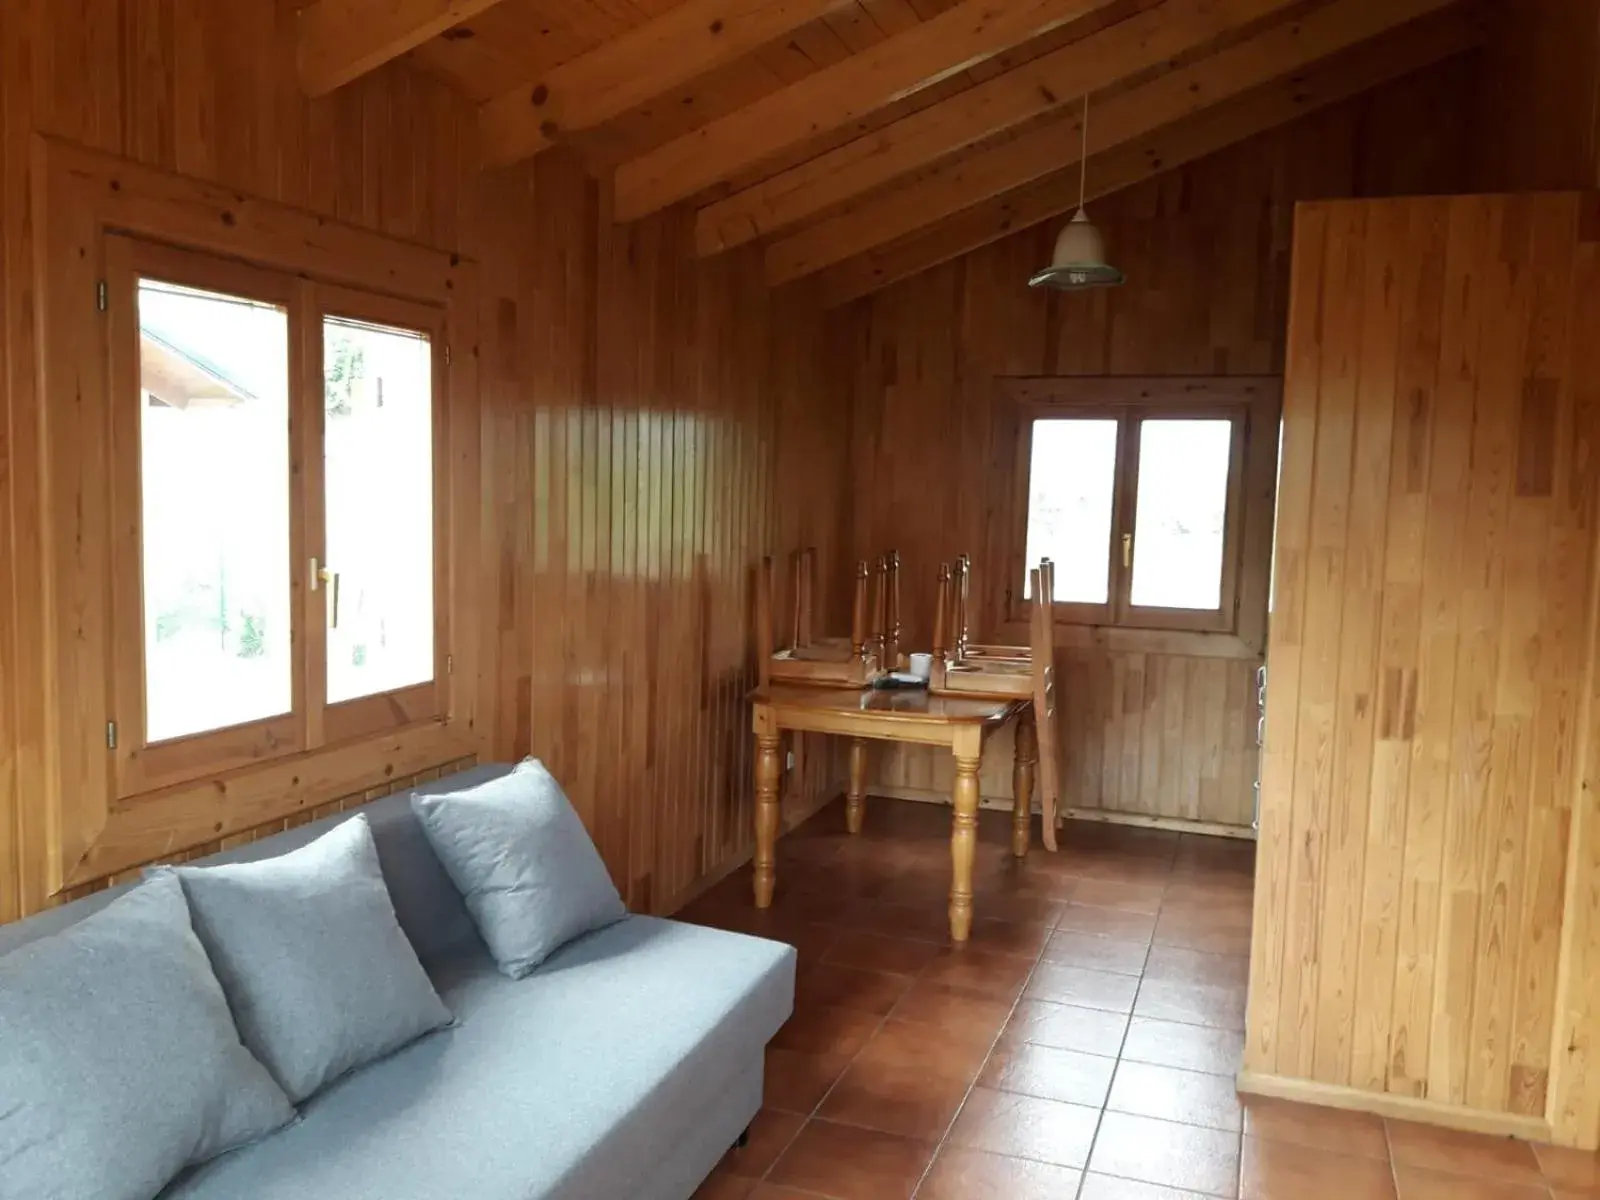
[856,797]
[964,837]
[1027,755]
[766,817]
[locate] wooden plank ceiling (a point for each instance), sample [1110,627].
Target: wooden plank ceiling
[862,141]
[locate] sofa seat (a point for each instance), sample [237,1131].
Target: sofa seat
[580,1082]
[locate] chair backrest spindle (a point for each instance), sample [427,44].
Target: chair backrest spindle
[764,622]
[891,653]
[941,614]
[858,612]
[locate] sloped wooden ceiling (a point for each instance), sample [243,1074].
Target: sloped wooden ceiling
[863,141]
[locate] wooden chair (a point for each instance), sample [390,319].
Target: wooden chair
[1044,699]
[853,661]
[961,587]
[1010,672]
[952,606]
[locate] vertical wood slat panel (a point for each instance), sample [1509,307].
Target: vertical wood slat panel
[670,415]
[12,188]
[1278,850]
[1430,648]
[1574,1093]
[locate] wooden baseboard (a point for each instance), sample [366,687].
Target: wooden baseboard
[1242,833]
[1404,1108]
[1106,815]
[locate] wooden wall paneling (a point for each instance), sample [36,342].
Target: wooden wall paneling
[1447,468]
[1158,728]
[277,825]
[1365,552]
[1574,1093]
[662,425]
[1281,850]
[1417,325]
[22,85]
[632,457]
[1538,97]
[1429,654]
[12,184]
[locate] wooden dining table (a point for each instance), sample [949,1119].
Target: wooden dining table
[910,716]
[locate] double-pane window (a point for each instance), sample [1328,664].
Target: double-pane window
[275,473]
[1137,506]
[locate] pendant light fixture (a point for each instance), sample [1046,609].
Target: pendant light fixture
[1079,262]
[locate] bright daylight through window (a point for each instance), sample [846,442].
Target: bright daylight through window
[214,465]
[378,435]
[1134,508]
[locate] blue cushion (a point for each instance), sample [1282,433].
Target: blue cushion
[584,1081]
[523,861]
[119,1063]
[320,976]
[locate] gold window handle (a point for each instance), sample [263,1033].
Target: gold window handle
[1127,551]
[322,575]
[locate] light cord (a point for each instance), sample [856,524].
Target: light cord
[1083,158]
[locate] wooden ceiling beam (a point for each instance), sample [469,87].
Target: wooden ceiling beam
[341,40]
[971,179]
[1412,48]
[1139,43]
[683,43]
[960,37]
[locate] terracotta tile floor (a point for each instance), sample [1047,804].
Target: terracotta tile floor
[1081,1045]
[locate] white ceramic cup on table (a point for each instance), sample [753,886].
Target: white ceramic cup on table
[922,665]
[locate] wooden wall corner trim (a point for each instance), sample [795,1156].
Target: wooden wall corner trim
[1401,1108]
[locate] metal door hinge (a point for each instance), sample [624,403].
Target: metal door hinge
[447,355]
[102,297]
[111,735]
[449,664]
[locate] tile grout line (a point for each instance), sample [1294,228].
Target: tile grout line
[1394,1167]
[883,1020]
[983,1066]
[1034,961]
[1122,1046]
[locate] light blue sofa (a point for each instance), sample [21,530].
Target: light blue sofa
[622,1069]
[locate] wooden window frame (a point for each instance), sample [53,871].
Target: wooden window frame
[139,765]
[79,197]
[1235,628]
